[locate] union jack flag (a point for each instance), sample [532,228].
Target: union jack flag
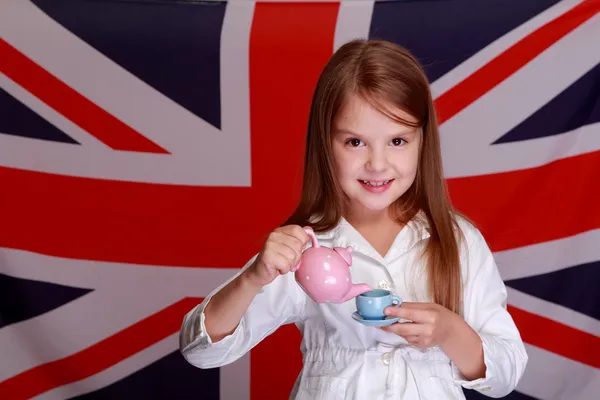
[147,148]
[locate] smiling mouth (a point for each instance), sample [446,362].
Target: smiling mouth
[376,183]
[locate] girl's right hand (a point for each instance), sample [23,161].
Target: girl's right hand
[280,254]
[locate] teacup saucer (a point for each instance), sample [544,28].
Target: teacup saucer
[374,322]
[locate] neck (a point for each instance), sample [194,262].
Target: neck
[367,218]
[377,228]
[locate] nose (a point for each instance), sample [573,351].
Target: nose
[377,161]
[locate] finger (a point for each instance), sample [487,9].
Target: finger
[412,314]
[296,240]
[288,253]
[405,329]
[278,262]
[283,265]
[297,233]
[289,249]
[295,245]
[417,305]
[414,340]
[281,241]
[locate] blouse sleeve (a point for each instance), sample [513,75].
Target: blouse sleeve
[485,300]
[278,303]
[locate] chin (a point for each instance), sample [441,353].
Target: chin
[375,206]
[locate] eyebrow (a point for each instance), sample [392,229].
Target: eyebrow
[411,131]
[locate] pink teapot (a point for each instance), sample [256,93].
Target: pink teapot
[324,273]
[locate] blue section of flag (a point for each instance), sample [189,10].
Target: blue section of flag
[575,288]
[19,120]
[23,299]
[443,34]
[473,395]
[576,106]
[154,41]
[171,377]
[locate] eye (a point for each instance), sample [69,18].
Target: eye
[354,142]
[398,141]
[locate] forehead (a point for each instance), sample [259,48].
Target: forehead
[358,115]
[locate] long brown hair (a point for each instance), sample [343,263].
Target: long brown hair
[387,76]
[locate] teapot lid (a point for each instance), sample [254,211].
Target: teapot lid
[345,252]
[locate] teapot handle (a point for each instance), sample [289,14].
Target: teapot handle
[313,237]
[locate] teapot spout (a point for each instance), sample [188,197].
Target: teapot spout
[356,290]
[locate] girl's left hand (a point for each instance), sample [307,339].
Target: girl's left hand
[431,324]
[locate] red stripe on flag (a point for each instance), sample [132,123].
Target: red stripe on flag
[289,46]
[66,101]
[520,208]
[557,338]
[128,222]
[511,60]
[167,225]
[99,356]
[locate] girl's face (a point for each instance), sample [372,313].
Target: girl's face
[375,157]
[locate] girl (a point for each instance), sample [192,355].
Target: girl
[373,180]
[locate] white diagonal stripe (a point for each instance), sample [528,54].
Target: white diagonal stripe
[549,376]
[50,115]
[116,372]
[533,153]
[42,39]
[467,136]
[177,282]
[543,258]
[238,372]
[554,312]
[73,160]
[124,294]
[89,319]
[497,47]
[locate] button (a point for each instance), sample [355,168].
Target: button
[384,285]
[386,358]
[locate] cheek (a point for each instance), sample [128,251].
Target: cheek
[413,165]
[346,164]
[408,162]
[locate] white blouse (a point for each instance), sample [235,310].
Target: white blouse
[344,359]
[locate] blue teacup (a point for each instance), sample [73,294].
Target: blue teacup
[370,305]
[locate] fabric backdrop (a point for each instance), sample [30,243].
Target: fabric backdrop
[147,148]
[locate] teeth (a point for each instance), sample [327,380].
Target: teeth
[371,183]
